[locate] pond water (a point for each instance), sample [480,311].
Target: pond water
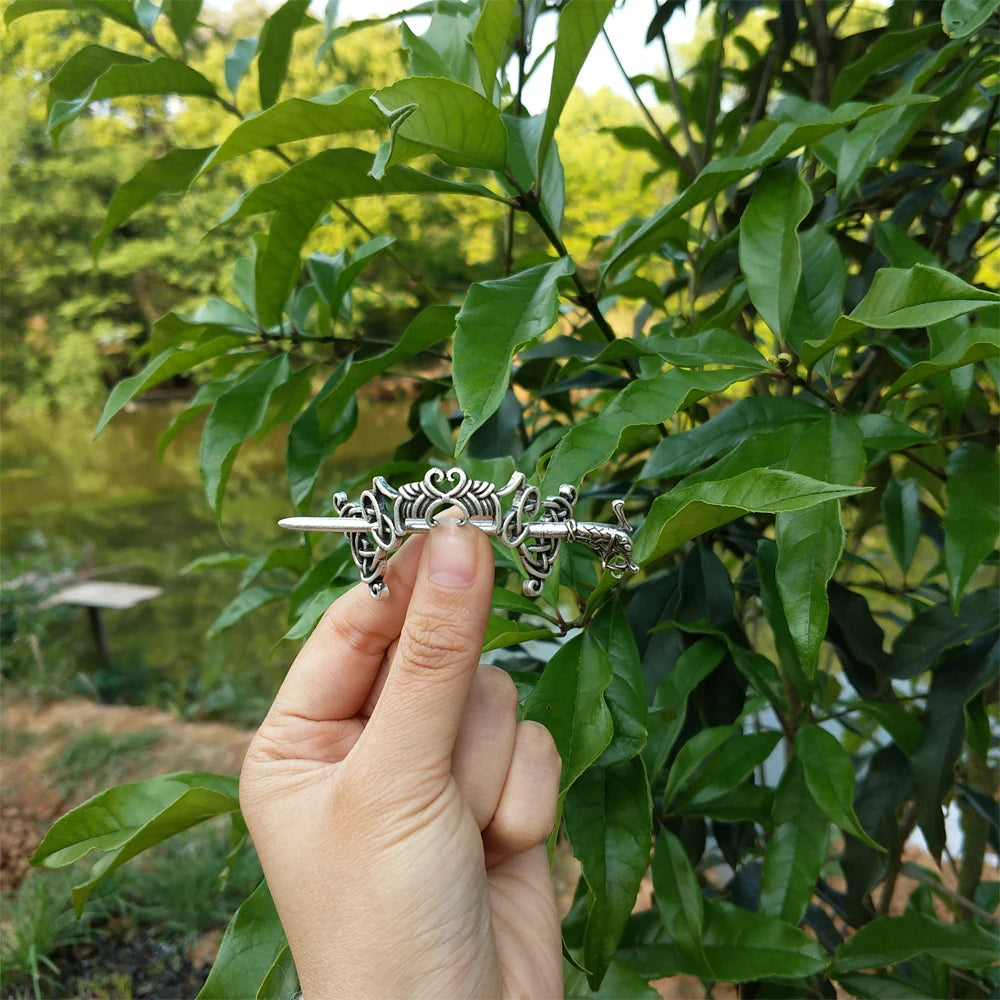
[109,503]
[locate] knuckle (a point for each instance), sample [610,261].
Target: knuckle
[360,641]
[433,641]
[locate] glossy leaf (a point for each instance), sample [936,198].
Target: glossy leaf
[626,695]
[774,612]
[739,422]
[569,701]
[932,633]
[609,817]
[580,22]
[334,276]
[238,62]
[880,431]
[829,776]
[688,511]
[960,18]
[903,298]
[341,173]
[888,50]
[329,419]
[711,347]
[275,48]
[810,542]
[727,768]
[502,632]
[901,513]
[972,517]
[955,682]
[678,898]
[166,365]
[892,940]
[125,820]
[183,16]
[769,244]
[692,755]
[821,289]
[430,115]
[496,320]
[796,850]
[245,602]
[666,717]
[973,344]
[120,11]
[297,118]
[237,415]
[254,941]
[78,73]
[644,403]
[619,983]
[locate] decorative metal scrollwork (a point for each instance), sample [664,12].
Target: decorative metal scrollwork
[531,526]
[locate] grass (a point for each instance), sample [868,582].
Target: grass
[97,759]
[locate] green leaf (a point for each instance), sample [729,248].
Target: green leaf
[170,173]
[960,18]
[918,296]
[78,73]
[821,289]
[774,612]
[710,347]
[925,639]
[166,365]
[298,118]
[829,775]
[972,517]
[338,174]
[490,38]
[502,632]
[888,50]
[430,115]
[580,21]
[183,16]
[976,343]
[882,432]
[892,940]
[769,245]
[216,560]
[882,987]
[244,603]
[334,276]
[666,717]
[720,173]
[275,48]
[899,249]
[125,820]
[254,941]
[496,320]
[739,422]
[121,11]
[726,769]
[810,542]
[691,756]
[901,513]
[955,682]
[644,403]
[329,419]
[609,817]
[237,415]
[796,851]
[620,983]
[313,609]
[626,695]
[678,899]
[688,511]
[904,729]
[277,265]
[162,76]
[238,62]
[569,701]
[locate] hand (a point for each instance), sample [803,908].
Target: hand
[398,807]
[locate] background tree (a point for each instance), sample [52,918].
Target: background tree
[801,415]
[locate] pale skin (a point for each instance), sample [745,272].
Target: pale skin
[398,806]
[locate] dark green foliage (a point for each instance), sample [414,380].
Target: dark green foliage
[801,414]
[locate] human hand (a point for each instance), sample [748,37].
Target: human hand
[398,807]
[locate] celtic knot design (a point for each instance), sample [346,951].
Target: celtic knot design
[530,525]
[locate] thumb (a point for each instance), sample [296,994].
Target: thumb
[415,722]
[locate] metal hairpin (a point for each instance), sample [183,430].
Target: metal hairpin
[377,523]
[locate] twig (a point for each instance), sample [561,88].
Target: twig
[909,821]
[859,376]
[926,466]
[685,164]
[712,111]
[678,103]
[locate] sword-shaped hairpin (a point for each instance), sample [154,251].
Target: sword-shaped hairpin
[377,523]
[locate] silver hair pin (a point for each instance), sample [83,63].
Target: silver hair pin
[377,523]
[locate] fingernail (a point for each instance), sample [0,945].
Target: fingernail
[452,558]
